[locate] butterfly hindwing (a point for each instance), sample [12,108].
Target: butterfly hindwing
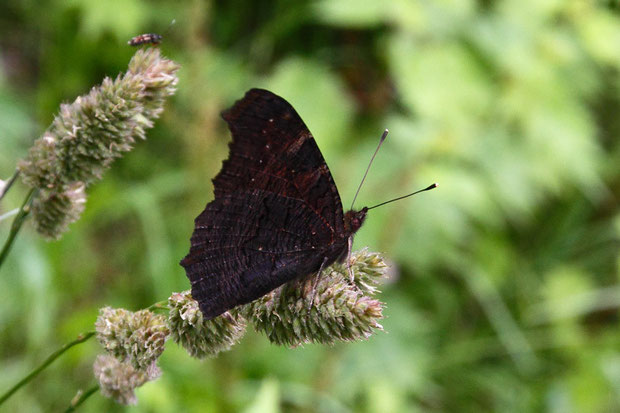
[246,244]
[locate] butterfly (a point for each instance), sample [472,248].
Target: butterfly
[276,215]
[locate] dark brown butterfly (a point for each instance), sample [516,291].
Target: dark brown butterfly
[276,214]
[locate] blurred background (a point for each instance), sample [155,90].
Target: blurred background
[505,293]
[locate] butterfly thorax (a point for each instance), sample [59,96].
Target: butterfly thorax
[353,220]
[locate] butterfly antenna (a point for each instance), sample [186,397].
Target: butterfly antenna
[383,136]
[428,188]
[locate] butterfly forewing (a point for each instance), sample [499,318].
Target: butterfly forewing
[276,215]
[272,149]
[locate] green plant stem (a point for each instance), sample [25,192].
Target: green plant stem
[24,210]
[80,339]
[81,397]
[9,183]
[160,305]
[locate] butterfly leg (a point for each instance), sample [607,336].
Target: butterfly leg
[349,259]
[315,283]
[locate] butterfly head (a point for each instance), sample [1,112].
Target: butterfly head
[353,220]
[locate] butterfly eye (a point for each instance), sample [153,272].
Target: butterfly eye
[356,223]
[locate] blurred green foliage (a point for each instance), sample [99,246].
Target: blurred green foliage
[505,294]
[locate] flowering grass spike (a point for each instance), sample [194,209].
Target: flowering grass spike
[136,337]
[90,133]
[202,338]
[118,380]
[54,211]
[340,311]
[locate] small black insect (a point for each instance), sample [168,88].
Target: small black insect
[146,38]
